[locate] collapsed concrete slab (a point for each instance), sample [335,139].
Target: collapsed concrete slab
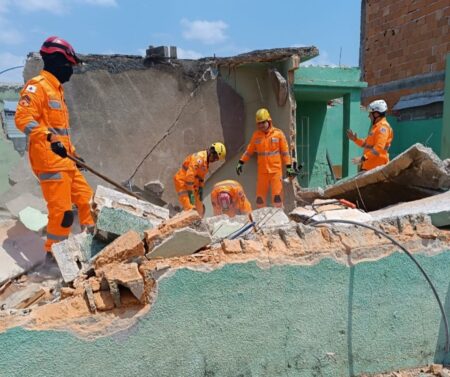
[106,197]
[437,207]
[416,173]
[222,226]
[112,223]
[16,297]
[183,241]
[20,249]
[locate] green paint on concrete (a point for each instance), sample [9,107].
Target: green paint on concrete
[91,246]
[407,133]
[314,88]
[33,219]
[321,320]
[116,222]
[445,145]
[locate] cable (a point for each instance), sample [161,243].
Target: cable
[395,242]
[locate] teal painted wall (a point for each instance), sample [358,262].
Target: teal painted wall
[321,320]
[445,145]
[406,133]
[325,132]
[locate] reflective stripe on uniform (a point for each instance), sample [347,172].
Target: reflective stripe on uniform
[285,153]
[49,176]
[190,183]
[374,151]
[269,153]
[55,237]
[54,104]
[183,193]
[59,131]
[30,126]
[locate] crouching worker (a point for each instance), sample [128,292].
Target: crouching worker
[228,198]
[190,178]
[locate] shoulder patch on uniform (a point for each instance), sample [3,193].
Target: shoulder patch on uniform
[383,130]
[31,88]
[25,100]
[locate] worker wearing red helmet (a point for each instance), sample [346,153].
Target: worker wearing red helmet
[43,116]
[228,198]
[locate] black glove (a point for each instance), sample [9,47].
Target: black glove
[59,149]
[239,167]
[80,168]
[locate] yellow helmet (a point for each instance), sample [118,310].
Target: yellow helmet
[220,149]
[262,115]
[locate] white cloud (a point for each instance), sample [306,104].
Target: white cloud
[52,6]
[188,54]
[8,60]
[101,3]
[208,32]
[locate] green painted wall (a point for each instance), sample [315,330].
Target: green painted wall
[407,133]
[325,132]
[321,320]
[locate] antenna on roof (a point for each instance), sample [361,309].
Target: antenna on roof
[340,56]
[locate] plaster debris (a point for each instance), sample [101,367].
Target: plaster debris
[33,219]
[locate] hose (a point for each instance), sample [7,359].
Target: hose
[395,242]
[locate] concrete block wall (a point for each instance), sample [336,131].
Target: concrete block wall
[403,39]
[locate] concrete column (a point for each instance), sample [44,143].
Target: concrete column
[445,146]
[349,149]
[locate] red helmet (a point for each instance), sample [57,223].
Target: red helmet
[56,44]
[224,199]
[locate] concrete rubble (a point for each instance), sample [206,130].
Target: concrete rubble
[415,174]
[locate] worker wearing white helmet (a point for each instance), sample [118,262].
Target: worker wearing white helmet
[376,145]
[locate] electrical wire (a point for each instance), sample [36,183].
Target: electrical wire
[395,242]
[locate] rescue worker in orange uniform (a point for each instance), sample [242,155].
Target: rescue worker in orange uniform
[228,198]
[272,149]
[43,116]
[376,145]
[190,178]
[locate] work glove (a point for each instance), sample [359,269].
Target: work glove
[200,193]
[59,149]
[290,171]
[191,197]
[80,168]
[351,135]
[239,167]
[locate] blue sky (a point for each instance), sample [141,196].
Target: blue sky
[197,27]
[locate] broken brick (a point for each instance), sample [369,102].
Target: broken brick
[67,292]
[123,248]
[103,301]
[231,246]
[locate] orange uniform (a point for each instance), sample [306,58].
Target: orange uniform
[191,177]
[272,150]
[376,145]
[239,202]
[41,111]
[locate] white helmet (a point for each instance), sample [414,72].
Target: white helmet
[379,105]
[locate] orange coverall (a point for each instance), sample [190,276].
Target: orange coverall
[191,177]
[376,145]
[272,150]
[239,202]
[41,111]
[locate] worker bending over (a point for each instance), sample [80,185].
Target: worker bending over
[43,116]
[376,145]
[272,150]
[228,198]
[190,178]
